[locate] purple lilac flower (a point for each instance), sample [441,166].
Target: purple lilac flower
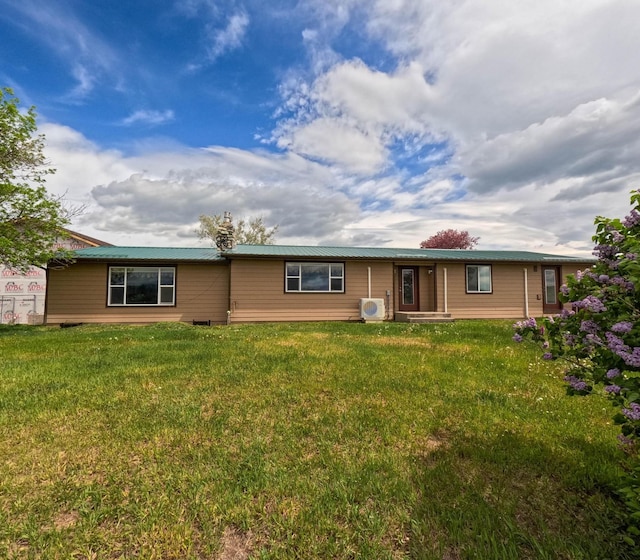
[631,358]
[592,339]
[575,383]
[605,251]
[592,303]
[616,344]
[633,412]
[547,356]
[603,278]
[632,219]
[617,237]
[620,281]
[589,327]
[564,289]
[622,327]
[566,313]
[613,264]
[613,373]
[570,339]
[529,323]
[624,440]
[517,337]
[614,389]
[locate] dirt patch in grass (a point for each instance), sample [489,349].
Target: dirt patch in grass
[65,520]
[235,545]
[432,443]
[401,341]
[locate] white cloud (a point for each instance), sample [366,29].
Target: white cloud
[155,198]
[352,114]
[149,117]
[519,121]
[588,143]
[229,38]
[354,149]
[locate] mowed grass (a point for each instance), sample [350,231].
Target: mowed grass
[329,440]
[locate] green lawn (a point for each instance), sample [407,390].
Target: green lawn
[330,440]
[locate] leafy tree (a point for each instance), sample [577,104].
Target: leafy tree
[30,219]
[250,232]
[450,239]
[597,336]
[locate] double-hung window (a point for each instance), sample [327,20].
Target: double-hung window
[478,279]
[142,285]
[314,277]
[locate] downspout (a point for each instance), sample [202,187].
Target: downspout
[446,303]
[45,312]
[229,262]
[369,282]
[526,293]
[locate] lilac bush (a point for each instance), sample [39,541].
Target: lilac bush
[597,335]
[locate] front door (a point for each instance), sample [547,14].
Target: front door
[408,288]
[550,289]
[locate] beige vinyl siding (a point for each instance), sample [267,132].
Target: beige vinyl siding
[258,292]
[79,294]
[506,301]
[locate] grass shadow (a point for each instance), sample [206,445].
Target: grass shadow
[511,497]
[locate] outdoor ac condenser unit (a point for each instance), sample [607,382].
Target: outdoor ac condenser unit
[372,309]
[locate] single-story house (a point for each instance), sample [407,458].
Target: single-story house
[253,283]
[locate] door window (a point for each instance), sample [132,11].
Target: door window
[407,286]
[550,287]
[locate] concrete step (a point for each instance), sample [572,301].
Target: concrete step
[423,317]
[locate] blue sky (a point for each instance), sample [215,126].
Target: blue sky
[354,122]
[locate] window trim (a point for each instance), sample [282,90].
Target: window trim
[466,279]
[158,268]
[300,264]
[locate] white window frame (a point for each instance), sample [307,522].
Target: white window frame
[299,275]
[479,289]
[148,269]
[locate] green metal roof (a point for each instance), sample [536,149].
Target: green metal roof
[170,254]
[149,254]
[296,251]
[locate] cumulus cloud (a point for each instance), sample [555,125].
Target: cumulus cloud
[539,100]
[141,204]
[516,121]
[588,143]
[352,115]
[354,149]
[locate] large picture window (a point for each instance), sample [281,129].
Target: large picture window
[142,285]
[478,279]
[314,277]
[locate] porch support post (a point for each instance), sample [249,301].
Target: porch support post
[446,303]
[526,293]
